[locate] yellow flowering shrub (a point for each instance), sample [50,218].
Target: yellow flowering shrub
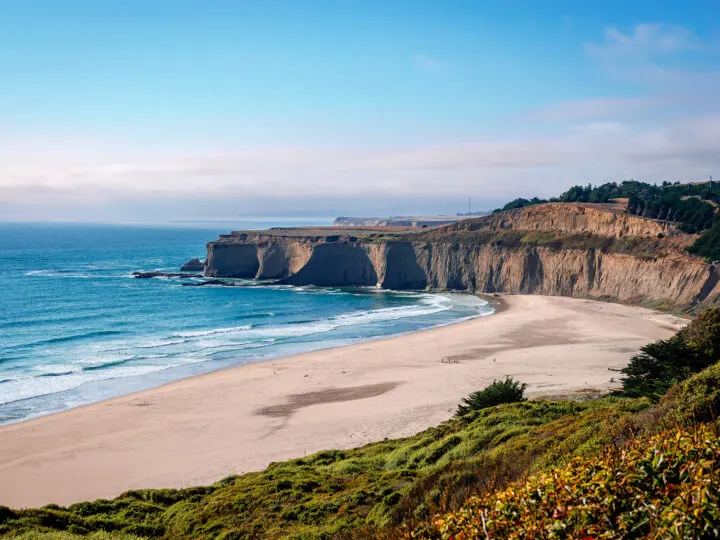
[663,487]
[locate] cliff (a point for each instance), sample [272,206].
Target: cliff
[571,218]
[552,249]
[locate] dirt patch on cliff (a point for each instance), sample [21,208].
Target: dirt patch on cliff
[331,395]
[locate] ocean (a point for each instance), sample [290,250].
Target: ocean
[76,327]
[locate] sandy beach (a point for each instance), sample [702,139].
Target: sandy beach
[201,429]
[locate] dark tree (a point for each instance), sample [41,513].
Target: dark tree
[507,390]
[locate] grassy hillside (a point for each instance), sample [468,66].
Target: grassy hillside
[663,483]
[666,486]
[379,485]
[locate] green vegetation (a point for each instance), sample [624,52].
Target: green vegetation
[691,206]
[560,469]
[498,392]
[665,363]
[665,487]
[708,245]
[662,482]
[379,485]
[520,203]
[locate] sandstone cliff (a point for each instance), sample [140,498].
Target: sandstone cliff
[568,218]
[553,249]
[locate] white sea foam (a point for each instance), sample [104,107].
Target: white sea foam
[31,387]
[212,332]
[118,358]
[58,274]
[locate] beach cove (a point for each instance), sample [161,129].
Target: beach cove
[200,429]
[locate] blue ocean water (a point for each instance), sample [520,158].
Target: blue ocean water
[76,327]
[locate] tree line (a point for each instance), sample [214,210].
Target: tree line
[691,206]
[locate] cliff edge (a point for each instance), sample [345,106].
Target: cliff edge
[578,250]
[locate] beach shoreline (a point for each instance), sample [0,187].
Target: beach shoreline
[202,428]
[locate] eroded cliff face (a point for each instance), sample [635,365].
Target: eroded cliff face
[457,257]
[567,218]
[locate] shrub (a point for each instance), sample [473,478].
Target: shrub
[703,334]
[692,401]
[708,245]
[664,487]
[507,390]
[665,363]
[659,366]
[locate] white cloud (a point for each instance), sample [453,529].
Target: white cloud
[658,55]
[649,57]
[686,149]
[645,40]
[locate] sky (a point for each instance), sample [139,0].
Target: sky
[136,111]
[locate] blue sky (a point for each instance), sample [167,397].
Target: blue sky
[130,110]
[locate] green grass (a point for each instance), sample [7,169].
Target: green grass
[332,492]
[658,478]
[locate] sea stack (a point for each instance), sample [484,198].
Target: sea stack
[193,265]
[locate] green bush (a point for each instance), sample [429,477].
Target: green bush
[520,203]
[703,334]
[507,390]
[665,363]
[695,400]
[708,245]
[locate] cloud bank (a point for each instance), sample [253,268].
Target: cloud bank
[687,149]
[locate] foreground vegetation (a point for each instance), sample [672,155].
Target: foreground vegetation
[664,487]
[379,485]
[559,469]
[708,245]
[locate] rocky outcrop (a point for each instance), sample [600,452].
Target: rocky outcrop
[582,252]
[156,273]
[193,265]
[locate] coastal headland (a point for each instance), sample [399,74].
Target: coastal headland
[560,249]
[201,429]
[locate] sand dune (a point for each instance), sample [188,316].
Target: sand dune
[203,428]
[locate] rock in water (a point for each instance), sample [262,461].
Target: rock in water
[193,265]
[156,273]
